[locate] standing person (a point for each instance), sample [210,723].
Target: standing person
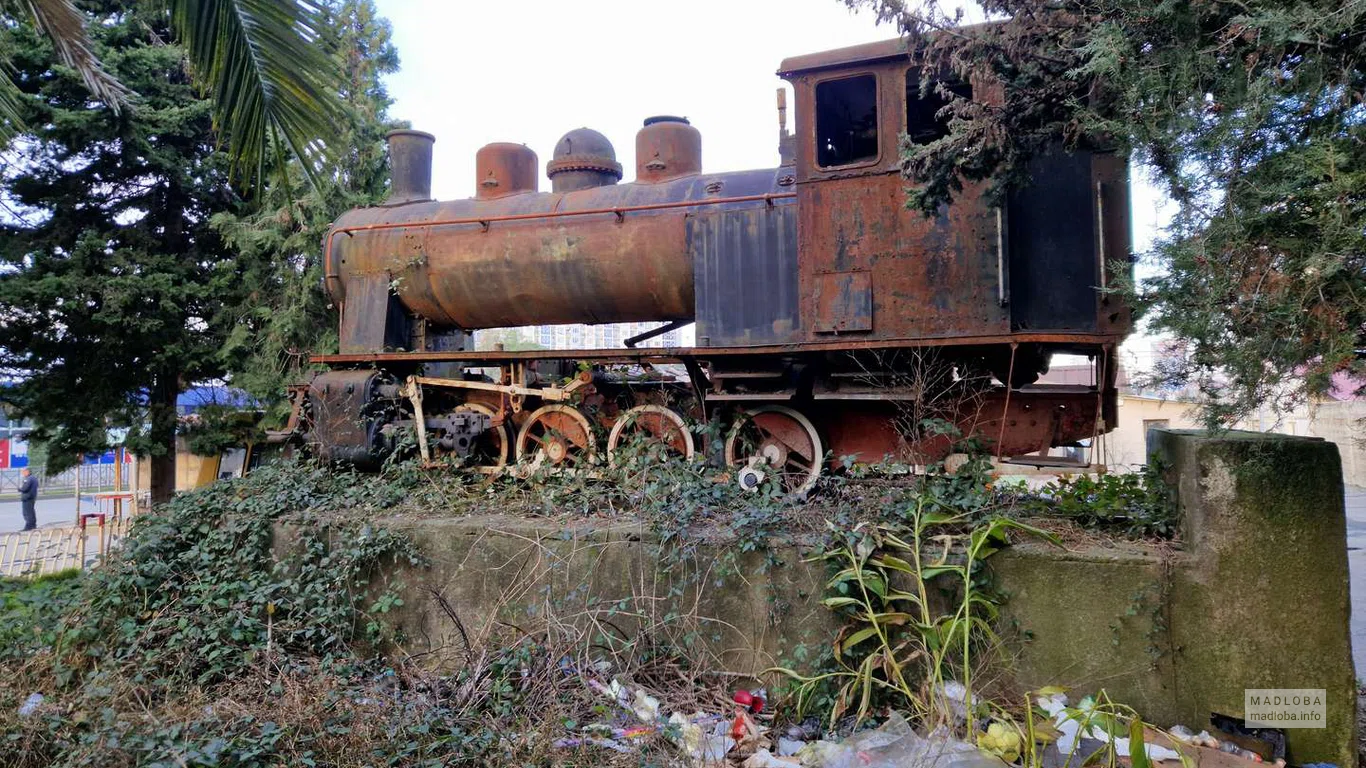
[28,498]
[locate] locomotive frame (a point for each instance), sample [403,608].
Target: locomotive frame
[824,308]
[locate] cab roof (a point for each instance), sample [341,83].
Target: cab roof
[882,50]
[868,53]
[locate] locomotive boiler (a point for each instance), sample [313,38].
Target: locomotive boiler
[831,321]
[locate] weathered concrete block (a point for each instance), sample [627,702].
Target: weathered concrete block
[1263,601]
[1257,597]
[608,580]
[1092,619]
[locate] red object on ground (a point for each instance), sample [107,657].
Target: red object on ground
[738,728]
[753,702]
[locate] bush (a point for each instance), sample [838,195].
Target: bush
[1137,504]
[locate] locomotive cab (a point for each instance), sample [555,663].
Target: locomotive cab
[1039,264]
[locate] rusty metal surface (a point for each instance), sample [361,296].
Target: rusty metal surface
[667,148]
[410,166]
[811,285]
[957,273]
[1072,341]
[503,168]
[843,301]
[895,48]
[583,158]
[608,254]
[925,277]
[346,417]
[1112,172]
[869,430]
[745,270]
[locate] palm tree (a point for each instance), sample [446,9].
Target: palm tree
[274,88]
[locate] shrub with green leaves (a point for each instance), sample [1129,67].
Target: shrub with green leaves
[1137,503]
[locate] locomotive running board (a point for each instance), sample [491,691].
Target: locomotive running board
[677,354]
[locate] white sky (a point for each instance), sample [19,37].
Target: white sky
[528,71]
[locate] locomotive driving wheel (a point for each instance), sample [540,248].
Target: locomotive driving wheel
[491,449]
[558,436]
[774,442]
[659,428]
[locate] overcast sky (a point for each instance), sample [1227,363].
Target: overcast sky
[528,71]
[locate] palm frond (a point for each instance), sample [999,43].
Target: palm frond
[272,83]
[10,121]
[64,25]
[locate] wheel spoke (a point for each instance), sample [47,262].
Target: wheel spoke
[660,430]
[784,437]
[551,425]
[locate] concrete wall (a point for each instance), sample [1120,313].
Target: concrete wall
[1340,422]
[1343,423]
[1126,446]
[1257,598]
[191,471]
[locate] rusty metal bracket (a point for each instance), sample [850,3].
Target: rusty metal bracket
[412,389]
[297,394]
[653,332]
[699,383]
[554,394]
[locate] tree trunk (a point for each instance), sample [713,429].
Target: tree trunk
[161,414]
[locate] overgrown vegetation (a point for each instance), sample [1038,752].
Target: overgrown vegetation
[208,641]
[897,640]
[1138,504]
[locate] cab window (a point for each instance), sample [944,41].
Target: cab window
[846,121]
[924,124]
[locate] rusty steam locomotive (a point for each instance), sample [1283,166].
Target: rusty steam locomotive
[825,310]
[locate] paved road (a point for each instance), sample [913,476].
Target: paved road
[1356,562]
[52,510]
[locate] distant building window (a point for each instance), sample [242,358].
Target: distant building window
[1148,426]
[924,124]
[846,121]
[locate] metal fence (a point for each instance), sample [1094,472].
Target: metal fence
[53,549]
[93,477]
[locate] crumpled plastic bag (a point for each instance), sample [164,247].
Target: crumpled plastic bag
[765,759]
[896,745]
[1071,730]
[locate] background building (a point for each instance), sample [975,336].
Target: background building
[580,336]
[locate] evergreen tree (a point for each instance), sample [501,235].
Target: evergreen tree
[278,245]
[134,268]
[115,288]
[1252,114]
